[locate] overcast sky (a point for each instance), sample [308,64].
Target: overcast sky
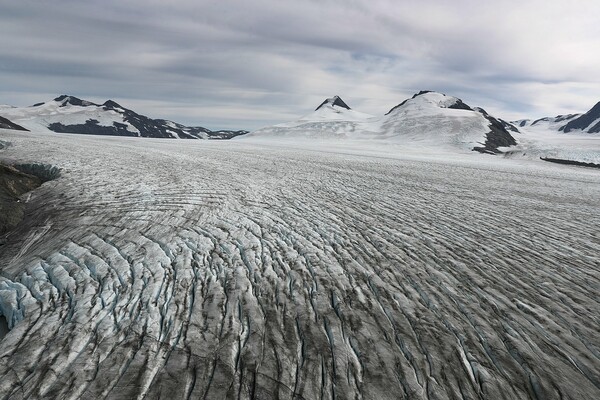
[247,64]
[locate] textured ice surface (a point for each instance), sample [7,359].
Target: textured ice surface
[167,269]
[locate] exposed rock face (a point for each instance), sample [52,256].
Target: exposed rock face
[6,124]
[457,104]
[66,100]
[334,101]
[588,122]
[498,136]
[552,121]
[92,127]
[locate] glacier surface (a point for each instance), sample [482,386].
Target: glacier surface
[258,269]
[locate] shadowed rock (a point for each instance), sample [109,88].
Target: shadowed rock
[13,184]
[334,101]
[498,136]
[590,121]
[570,162]
[7,124]
[116,121]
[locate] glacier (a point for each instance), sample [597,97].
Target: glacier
[258,268]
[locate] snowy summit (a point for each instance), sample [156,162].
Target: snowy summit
[69,114]
[334,101]
[428,118]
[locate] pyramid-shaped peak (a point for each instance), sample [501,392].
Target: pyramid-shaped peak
[587,122]
[595,110]
[334,101]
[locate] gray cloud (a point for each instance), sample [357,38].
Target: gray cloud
[233,64]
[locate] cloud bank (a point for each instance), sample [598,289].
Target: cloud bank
[234,64]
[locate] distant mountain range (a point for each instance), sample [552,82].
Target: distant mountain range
[570,123]
[6,124]
[427,117]
[69,114]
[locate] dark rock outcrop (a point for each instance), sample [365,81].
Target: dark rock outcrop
[7,124]
[585,122]
[66,100]
[558,118]
[459,105]
[570,162]
[125,122]
[334,101]
[498,136]
[91,127]
[509,126]
[144,126]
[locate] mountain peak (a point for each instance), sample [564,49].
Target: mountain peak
[436,99]
[72,100]
[334,101]
[588,122]
[110,104]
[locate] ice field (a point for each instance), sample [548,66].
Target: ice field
[298,270]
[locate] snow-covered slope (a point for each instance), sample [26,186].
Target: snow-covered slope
[547,144]
[332,119]
[428,118]
[69,114]
[164,269]
[547,123]
[568,137]
[588,122]
[439,119]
